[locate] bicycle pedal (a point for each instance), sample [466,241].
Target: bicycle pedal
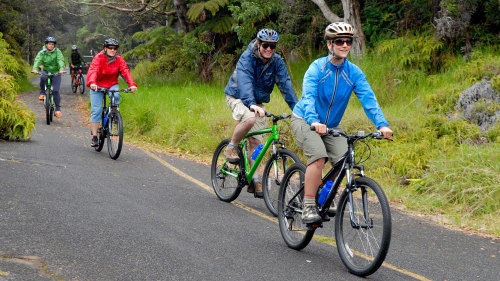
[314,225]
[326,218]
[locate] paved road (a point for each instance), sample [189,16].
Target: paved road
[70,213]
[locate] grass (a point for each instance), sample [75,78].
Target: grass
[437,166]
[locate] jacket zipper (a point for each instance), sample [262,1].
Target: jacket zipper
[333,97]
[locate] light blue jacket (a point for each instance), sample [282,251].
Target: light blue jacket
[253,81]
[326,91]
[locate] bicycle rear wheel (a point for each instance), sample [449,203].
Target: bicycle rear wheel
[46,104]
[363,247]
[82,84]
[115,135]
[291,201]
[273,175]
[225,176]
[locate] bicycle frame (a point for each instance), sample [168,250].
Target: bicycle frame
[107,109]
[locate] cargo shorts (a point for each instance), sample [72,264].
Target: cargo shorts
[242,113]
[315,146]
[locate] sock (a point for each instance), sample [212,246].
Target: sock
[309,200]
[230,145]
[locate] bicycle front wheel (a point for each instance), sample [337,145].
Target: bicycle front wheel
[363,227]
[82,84]
[46,104]
[115,135]
[273,175]
[225,176]
[290,204]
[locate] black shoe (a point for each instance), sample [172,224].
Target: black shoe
[95,142]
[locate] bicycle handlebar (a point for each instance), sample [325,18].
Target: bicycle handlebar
[48,74]
[360,135]
[275,117]
[126,90]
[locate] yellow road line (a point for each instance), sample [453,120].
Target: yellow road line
[3,273]
[273,219]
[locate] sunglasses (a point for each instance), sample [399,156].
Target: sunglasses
[112,48]
[272,46]
[340,42]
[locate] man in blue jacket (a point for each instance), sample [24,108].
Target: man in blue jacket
[257,71]
[327,87]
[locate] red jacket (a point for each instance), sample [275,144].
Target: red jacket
[105,74]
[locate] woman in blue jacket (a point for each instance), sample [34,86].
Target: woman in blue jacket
[257,71]
[327,87]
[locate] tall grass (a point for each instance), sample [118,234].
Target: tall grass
[435,166]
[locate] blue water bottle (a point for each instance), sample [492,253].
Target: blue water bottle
[324,192]
[257,151]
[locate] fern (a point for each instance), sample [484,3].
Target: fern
[213,6]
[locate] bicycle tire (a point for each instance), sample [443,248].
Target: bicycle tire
[363,249]
[296,234]
[227,187]
[46,104]
[115,135]
[82,84]
[273,175]
[74,86]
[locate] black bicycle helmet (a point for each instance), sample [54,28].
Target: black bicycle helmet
[268,35]
[50,39]
[111,42]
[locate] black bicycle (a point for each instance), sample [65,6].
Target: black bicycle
[111,127]
[362,219]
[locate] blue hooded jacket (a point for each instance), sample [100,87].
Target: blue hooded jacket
[326,91]
[253,81]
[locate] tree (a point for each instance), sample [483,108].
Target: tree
[352,15]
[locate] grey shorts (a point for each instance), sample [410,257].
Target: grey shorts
[242,113]
[315,146]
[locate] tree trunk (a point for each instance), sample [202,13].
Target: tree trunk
[352,15]
[327,13]
[181,10]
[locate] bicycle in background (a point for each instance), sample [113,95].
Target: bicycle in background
[228,179]
[111,127]
[363,218]
[79,82]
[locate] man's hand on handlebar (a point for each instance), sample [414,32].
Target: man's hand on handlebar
[385,131]
[320,128]
[258,110]
[34,71]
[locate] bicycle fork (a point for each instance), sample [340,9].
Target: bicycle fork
[368,222]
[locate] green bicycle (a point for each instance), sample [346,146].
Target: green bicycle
[228,179]
[48,100]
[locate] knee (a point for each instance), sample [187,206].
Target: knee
[318,164]
[251,121]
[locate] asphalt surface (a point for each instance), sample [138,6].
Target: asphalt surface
[70,213]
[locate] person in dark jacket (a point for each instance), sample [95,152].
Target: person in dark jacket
[251,84]
[103,72]
[75,60]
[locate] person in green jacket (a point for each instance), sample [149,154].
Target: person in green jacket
[50,60]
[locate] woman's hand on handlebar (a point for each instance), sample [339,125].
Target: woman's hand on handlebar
[385,131]
[133,89]
[93,87]
[258,110]
[319,128]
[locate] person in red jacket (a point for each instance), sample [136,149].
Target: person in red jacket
[103,72]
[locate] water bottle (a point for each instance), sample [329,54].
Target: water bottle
[324,192]
[257,151]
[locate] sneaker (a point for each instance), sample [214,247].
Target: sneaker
[58,113]
[256,186]
[41,97]
[258,189]
[231,154]
[95,142]
[310,214]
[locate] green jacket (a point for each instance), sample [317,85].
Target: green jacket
[52,62]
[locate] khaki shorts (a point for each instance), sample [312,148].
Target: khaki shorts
[316,146]
[242,113]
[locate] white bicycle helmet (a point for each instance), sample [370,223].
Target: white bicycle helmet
[338,29]
[74,47]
